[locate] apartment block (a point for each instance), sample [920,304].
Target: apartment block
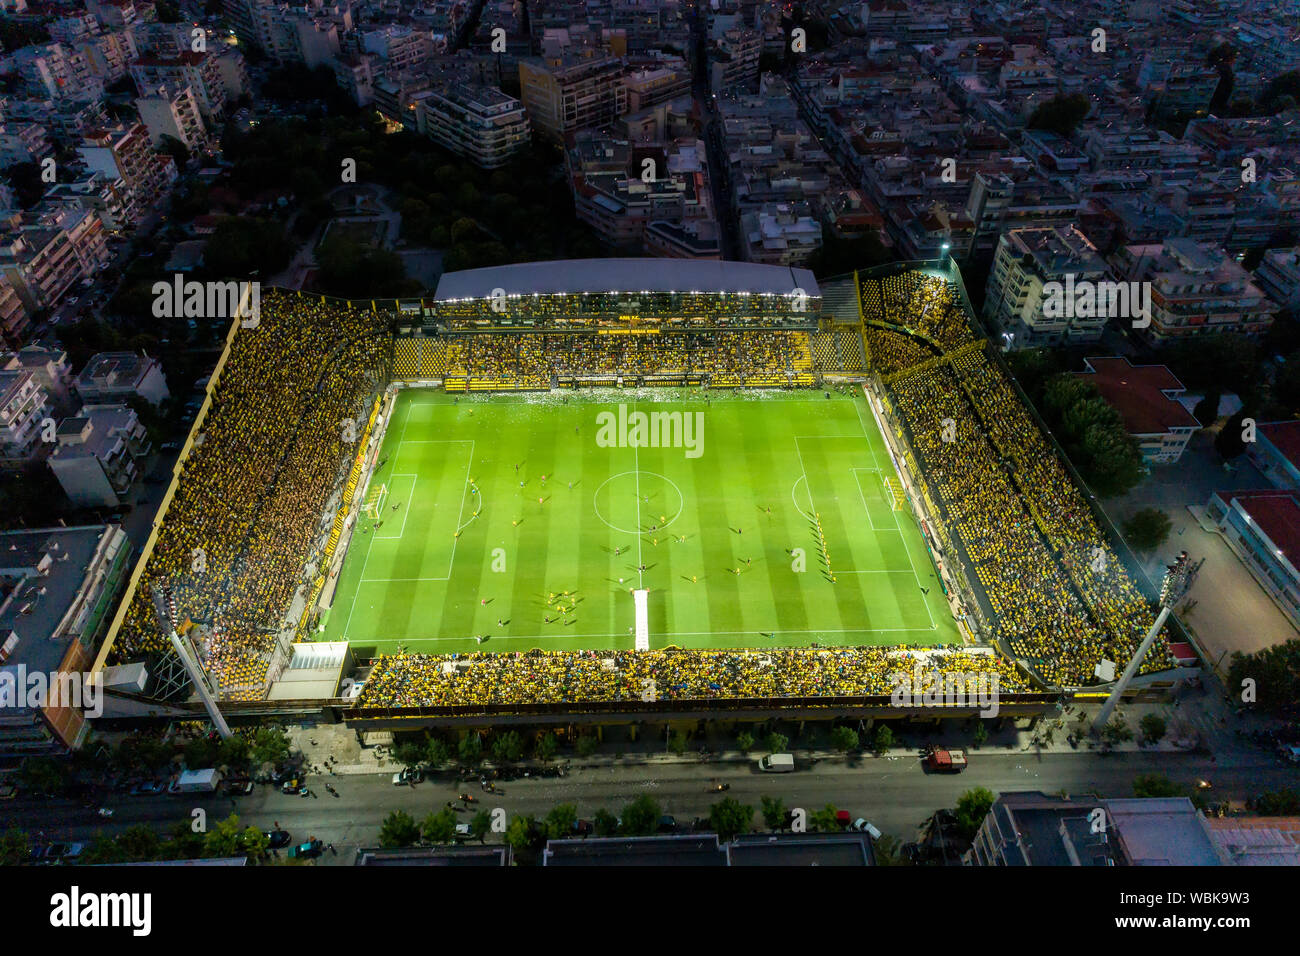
[173,111]
[126,152]
[480,123]
[1032,265]
[97,453]
[24,406]
[1196,289]
[113,377]
[562,97]
[197,71]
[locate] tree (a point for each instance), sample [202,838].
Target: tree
[508,746]
[1207,409]
[1061,114]
[777,743]
[1116,732]
[730,817]
[605,823]
[825,819]
[439,827]
[1153,728]
[744,741]
[470,748]
[1147,529]
[1278,803]
[42,775]
[182,843]
[103,850]
[888,851]
[481,825]
[246,246]
[1272,674]
[883,740]
[981,734]
[587,745]
[200,752]
[228,839]
[139,843]
[436,752]
[640,817]
[398,829]
[233,752]
[773,810]
[844,739]
[677,742]
[972,807]
[546,746]
[1149,785]
[14,849]
[270,745]
[523,835]
[409,753]
[173,147]
[559,822]
[1230,442]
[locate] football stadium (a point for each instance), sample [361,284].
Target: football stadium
[621,485]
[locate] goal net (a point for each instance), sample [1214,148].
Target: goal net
[374,503]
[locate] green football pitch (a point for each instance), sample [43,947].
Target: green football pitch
[722,532]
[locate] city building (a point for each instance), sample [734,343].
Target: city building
[1146,397]
[564,96]
[58,590]
[733,61]
[173,111]
[125,152]
[197,71]
[96,455]
[1263,528]
[113,377]
[1279,276]
[1030,297]
[14,324]
[780,234]
[50,366]
[1034,829]
[1276,453]
[1196,289]
[44,252]
[484,125]
[24,412]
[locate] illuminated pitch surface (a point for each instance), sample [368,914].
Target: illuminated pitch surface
[413,581]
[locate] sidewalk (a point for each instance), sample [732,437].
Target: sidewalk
[1198,721]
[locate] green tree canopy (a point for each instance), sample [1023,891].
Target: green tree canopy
[1147,529]
[972,807]
[640,817]
[730,817]
[398,830]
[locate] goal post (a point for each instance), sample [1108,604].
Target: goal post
[374,503]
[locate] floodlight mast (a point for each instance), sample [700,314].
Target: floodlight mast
[1172,589]
[162,607]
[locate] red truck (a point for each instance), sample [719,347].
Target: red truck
[946,761]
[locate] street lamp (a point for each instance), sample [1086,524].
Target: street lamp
[1172,588]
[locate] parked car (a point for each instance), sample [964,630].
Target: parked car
[411,775]
[668,824]
[292,785]
[62,853]
[464,832]
[239,788]
[862,826]
[169,446]
[8,791]
[148,788]
[277,839]
[583,827]
[776,763]
[309,850]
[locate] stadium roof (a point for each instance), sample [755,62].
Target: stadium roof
[625,275]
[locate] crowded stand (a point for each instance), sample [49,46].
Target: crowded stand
[1050,607]
[923,303]
[515,360]
[248,507]
[567,677]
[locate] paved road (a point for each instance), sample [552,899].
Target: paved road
[894,793]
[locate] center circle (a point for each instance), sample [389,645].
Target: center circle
[622,497]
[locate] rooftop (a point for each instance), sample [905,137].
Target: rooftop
[1139,394]
[1276,513]
[625,275]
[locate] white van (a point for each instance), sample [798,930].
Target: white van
[776,763]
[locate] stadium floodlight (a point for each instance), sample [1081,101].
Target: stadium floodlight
[165,607]
[1176,581]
